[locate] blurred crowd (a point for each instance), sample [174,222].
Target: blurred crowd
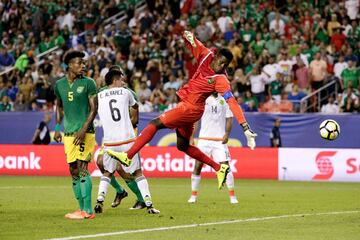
[283,50]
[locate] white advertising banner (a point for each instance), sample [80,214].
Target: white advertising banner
[319,164]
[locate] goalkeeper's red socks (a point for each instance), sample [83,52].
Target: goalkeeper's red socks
[145,136]
[195,153]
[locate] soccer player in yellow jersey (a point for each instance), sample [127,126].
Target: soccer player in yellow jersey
[77,105]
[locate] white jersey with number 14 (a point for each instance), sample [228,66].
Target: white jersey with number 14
[113,110]
[213,120]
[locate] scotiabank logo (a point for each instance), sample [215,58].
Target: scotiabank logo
[324,165]
[30,161]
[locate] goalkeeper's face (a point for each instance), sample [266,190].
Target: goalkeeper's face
[219,64]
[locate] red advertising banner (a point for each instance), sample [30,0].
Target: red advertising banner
[34,160]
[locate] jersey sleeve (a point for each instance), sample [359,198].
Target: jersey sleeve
[222,86]
[195,46]
[228,113]
[92,88]
[132,100]
[56,91]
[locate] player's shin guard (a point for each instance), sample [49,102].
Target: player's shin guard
[135,189]
[195,153]
[77,191]
[103,188]
[86,189]
[116,185]
[144,189]
[145,136]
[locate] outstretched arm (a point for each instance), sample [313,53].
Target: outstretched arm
[195,46]
[222,86]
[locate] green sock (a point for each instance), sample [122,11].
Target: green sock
[134,188]
[116,185]
[77,192]
[86,188]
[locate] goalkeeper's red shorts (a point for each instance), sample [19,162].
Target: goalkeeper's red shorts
[182,118]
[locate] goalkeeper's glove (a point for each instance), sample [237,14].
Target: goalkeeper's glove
[250,135]
[190,37]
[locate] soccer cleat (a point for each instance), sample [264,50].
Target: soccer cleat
[118,198]
[87,215]
[152,210]
[75,215]
[233,200]
[221,174]
[119,156]
[138,205]
[99,207]
[192,199]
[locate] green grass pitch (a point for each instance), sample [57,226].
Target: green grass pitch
[34,208]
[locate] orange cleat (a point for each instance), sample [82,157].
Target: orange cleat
[86,215]
[77,215]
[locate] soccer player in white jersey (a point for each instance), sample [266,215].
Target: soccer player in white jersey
[113,109]
[216,124]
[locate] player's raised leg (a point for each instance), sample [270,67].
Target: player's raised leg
[146,135]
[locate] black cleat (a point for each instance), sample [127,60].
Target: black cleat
[152,210]
[99,207]
[118,198]
[138,205]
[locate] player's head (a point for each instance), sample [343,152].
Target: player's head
[115,78]
[222,59]
[75,62]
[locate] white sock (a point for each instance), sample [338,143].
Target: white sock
[103,187]
[195,183]
[230,181]
[144,190]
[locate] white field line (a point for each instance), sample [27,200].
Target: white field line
[202,224]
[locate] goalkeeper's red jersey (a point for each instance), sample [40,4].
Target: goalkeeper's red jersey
[205,81]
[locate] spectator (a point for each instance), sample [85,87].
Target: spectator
[318,72]
[20,104]
[145,105]
[258,81]
[331,107]
[5,104]
[172,84]
[352,8]
[275,89]
[144,91]
[275,137]
[350,74]
[278,25]
[42,132]
[350,101]
[302,75]
[295,96]
[6,59]
[224,20]
[273,45]
[340,66]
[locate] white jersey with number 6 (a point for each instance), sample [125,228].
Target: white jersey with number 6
[113,110]
[213,120]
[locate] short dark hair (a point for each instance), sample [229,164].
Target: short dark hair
[109,77]
[71,55]
[226,53]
